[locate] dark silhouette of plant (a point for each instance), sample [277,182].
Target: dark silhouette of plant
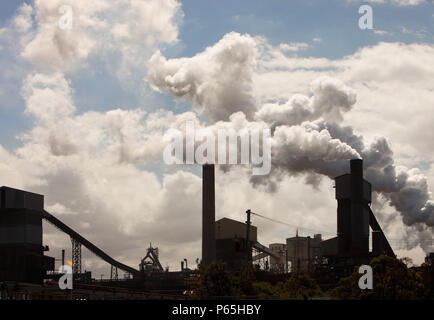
[216,281]
[392,280]
[299,286]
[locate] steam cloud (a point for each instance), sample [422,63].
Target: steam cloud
[219,79]
[308,135]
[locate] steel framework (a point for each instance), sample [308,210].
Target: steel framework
[114,273]
[76,256]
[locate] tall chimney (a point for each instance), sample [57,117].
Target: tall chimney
[359,215]
[208,215]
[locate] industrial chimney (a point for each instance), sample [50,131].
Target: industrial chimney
[208,215]
[353,194]
[359,215]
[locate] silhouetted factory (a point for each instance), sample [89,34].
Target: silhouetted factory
[21,251]
[350,248]
[22,259]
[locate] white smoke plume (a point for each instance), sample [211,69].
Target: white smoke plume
[219,79]
[330,99]
[308,137]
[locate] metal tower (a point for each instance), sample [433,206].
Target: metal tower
[114,273]
[76,256]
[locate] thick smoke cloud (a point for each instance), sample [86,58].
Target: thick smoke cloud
[308,137]
[331,98]
[219,79]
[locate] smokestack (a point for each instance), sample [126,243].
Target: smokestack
[359,215]
[208,215]
[356,166]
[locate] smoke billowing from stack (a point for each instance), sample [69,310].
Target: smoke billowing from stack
[308,135]
[208,215]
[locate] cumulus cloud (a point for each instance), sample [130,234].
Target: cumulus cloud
[128,28]
[23,20]
[85,165]
[294,46]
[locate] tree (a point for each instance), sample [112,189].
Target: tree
[244,281]
[427,275]
[264,290]
[216,281]
[347,287]
[300,286]
[392,280]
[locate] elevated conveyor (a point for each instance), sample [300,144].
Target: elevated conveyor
[264,252]
[90,246]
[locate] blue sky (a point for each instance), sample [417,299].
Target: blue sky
[335,22]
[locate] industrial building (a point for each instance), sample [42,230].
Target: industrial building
[307,254]
[279,264]
[27,273]
[302,252]
[21,251]
[24,264]
[231,243]
[354,218]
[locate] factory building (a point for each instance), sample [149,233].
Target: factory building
[231,244]
[21,251]
[302,251]
[354,219]
[350,247]
[278,264]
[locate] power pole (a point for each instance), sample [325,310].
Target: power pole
[249,249]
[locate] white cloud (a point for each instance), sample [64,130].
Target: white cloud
[400,3]
[408,2]
[294,46]
[133,29]
[421,33]
[383,32]
[23,20]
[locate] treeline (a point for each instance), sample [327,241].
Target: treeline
[393,279]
